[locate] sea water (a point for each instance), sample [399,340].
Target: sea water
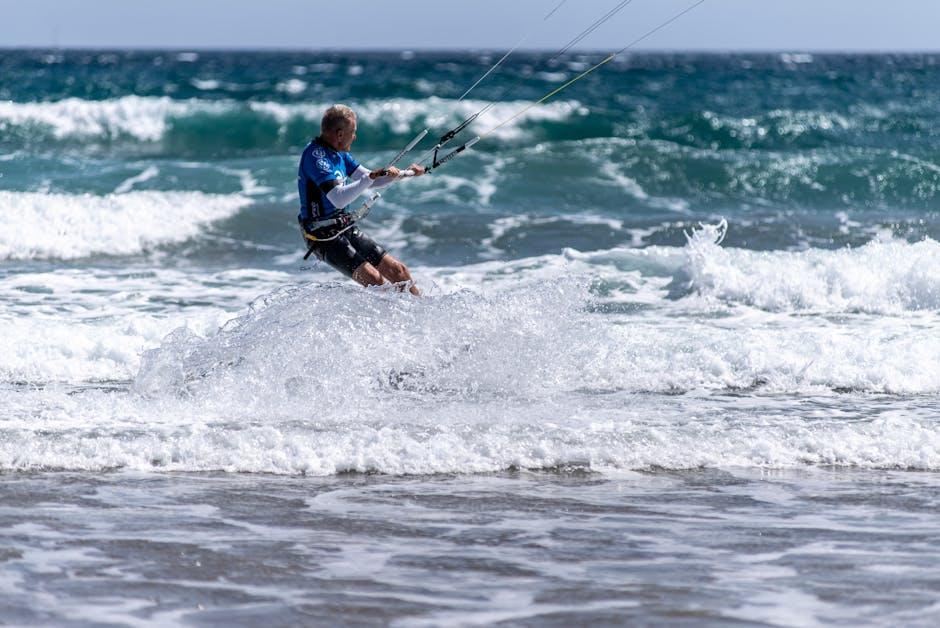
[678,359]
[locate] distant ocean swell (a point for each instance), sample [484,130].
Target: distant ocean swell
[206,125]
[152,119]
[800,158]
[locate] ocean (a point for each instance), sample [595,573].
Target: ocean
[677,362]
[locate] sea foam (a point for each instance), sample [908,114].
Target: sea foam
[533,341]
[81,325]
[327,378]
[95,430]
[883,276]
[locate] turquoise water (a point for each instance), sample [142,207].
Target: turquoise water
[793,150]
[691,304]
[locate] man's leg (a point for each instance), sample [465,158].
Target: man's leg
[367,275]
[387,267]
[396,272]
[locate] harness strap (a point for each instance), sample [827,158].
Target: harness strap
[307,230]
[312,238]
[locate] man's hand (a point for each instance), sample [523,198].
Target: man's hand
[391,171]
[418,170]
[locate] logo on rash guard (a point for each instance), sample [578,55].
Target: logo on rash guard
[323,165]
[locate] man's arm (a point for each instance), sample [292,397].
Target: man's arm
[361,180]
[342,195]
[379,178]
[386,176]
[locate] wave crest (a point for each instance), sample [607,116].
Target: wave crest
[201,126]
[530,342]
[64,226]
[881,277]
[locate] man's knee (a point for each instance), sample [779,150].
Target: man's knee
[368,275]
[400,272]
[394,270]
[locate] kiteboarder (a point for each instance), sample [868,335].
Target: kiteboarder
[329,179]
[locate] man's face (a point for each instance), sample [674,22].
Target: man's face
[345,137]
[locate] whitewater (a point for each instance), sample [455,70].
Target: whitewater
[678,355]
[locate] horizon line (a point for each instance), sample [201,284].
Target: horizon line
[413,50]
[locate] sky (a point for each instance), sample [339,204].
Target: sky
[789,25]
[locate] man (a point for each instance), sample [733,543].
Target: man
[330,180]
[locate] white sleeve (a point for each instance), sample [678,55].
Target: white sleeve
[381,182]
[343,195]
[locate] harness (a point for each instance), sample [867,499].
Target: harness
[345,221]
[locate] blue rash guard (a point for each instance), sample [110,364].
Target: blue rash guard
[320,164]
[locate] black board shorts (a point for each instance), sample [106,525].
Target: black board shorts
[349,251]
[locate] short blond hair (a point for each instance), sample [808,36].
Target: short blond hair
[337,117]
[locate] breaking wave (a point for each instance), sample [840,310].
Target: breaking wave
[204,126]
[881,277]
[466,344]
[522,367]
[99,431]
[66,226]
[322,379]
